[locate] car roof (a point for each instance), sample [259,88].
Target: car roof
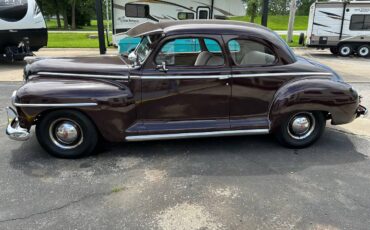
[196,26]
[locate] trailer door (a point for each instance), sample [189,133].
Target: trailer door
[203,12]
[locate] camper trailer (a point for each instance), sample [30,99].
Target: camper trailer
[130,13]
[343,27]
[22,29]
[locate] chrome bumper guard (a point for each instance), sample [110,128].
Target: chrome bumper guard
[14,131]
[362,111]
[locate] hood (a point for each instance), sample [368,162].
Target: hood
[100,65]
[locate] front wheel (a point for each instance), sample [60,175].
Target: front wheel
[301,129]
[345,50]
[67,134]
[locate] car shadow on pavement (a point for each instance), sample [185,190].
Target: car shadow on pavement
[232,156]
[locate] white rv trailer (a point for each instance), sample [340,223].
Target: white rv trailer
[22,29]
[344,27]
[130,13]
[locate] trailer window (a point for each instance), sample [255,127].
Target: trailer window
[185,16]
[360,22]
[136,10]
[11,10]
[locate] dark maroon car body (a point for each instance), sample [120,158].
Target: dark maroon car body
[126,101]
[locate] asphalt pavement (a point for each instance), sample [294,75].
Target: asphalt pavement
[215,183]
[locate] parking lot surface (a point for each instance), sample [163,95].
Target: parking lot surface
[214,183]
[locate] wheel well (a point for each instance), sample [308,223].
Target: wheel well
[43,113]
[277,124]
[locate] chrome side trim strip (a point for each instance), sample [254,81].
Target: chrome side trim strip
[282,74]
[184,77]
[224,77]
[56,105]
[197,135]
[83,75]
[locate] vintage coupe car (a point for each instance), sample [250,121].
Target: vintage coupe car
[226,78]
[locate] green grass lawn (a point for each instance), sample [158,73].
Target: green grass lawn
[278,22]
[82,40]
[52,25]
[72,40]
[275,22]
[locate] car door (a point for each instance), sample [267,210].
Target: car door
[185,86]
[257,73]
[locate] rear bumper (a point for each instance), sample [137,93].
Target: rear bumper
[362,111]
[13,130]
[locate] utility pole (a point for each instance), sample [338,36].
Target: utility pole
[99,18]
[265,11]
[293,8]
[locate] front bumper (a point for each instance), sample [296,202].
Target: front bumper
[14,131]
[362,111]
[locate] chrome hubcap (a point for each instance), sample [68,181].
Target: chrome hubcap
[364,51]
[301,125]
[346,50]
[66,133]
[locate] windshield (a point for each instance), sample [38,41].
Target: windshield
[143,49]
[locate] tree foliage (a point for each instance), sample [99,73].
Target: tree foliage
[75,13]
[277,7]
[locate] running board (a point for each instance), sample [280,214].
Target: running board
[197,135]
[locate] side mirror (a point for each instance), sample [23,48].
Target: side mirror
[162,67]
[133,58]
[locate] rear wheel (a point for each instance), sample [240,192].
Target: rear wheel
[67,134]
[301,129]
[363,51]
[334,50]
[345,50]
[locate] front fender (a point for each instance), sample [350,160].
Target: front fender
[112,111]
[337,98]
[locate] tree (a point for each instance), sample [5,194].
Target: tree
[304,6]
[252,9]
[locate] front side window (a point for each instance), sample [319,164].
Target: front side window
[136,10]
[360,22]
[191,52]
[185,16]
[248,52]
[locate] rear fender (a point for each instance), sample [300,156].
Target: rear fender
[334,97]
